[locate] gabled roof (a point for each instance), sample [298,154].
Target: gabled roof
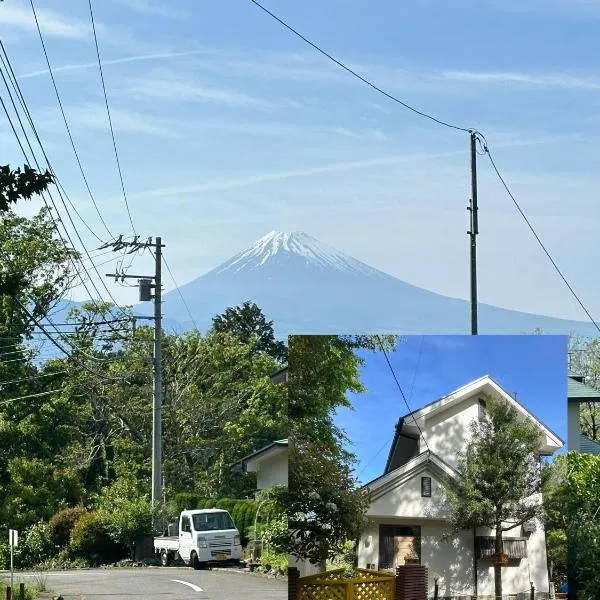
[426,460]
[578,391]
[482,385]
[270,450]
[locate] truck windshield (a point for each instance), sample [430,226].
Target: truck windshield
[212,521]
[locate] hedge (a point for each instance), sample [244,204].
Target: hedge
[243,512]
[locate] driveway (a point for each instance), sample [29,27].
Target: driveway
[159,582]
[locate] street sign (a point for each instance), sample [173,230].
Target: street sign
[13,538]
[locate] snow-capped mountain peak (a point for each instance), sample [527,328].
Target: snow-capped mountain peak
[278,246]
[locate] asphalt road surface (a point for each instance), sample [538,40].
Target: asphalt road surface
[160,582]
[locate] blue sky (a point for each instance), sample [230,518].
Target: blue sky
[228,127]
[429,367]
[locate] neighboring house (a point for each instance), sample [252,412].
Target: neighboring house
[579,392]
[408,509]
[270,465]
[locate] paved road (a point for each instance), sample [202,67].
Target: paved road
[161,582]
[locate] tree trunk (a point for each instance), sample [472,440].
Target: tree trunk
[497,566]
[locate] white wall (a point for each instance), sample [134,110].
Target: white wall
[305,567]
[448,432]
[272,471]
[517,577]
[405,500]
[452,561]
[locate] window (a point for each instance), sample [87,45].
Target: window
[212,521]
[185,524]
[481,409]
[426,487]
[516,548]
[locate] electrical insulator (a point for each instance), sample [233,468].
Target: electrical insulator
[145,289]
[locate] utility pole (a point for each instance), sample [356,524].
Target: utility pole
[474,230]
[158,388]
[146,285]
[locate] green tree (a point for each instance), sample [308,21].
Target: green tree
[248,323]
[572,507]
[500,477]
[15,185]
[323,503]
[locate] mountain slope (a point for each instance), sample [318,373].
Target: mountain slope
[306,286]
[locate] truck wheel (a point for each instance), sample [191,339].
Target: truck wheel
[164,558]
[194,561]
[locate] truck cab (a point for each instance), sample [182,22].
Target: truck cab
[203,537]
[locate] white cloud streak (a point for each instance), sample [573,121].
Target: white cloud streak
[51,23]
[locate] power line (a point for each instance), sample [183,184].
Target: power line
[29,396]
[339,63]
[34,130]
[187,308]
[112,132]
[31,378]
[537,237]
[65,120]
[399,386]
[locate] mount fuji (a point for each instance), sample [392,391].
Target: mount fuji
[305,286]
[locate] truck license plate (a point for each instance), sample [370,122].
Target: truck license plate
[221,557]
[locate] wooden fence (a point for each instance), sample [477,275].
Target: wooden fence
[366,585]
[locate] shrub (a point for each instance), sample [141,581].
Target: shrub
[91,540]
[37,545]
[62,523]
[129,522]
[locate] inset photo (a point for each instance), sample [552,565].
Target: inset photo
[427,465]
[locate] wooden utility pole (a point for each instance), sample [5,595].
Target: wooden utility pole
[474,230]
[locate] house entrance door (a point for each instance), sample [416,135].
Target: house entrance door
[399,544]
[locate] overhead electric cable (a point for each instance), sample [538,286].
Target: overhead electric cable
[537,237]
[187,308]
[66,122]
[34,130]
[339,63]
[112,131]
[32,377]
[391,368]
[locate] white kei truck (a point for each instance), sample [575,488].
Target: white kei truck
[201,537]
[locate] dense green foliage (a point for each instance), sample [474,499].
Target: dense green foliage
[572,502]
[325,508]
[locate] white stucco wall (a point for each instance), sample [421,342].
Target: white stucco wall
[305,567]
[452,561]
[405,500]
[272,471]
[447,433]
[517,577]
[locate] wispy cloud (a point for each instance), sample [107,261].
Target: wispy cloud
[541,80]
[117,61]
[153,7]
[173,87]
[226,184]
[93,116]
[51,23]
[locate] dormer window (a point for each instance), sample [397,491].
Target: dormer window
[481,409]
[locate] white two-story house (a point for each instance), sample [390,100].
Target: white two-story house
[408,505]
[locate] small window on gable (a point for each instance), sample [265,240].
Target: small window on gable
[481,409]
[426,487]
